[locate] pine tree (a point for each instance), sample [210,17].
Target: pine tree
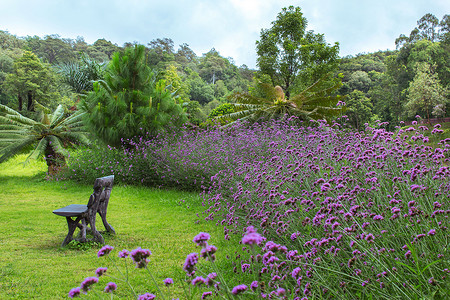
[130,101]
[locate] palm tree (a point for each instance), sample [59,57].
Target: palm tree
[315,102]
[46,138]
[80,75]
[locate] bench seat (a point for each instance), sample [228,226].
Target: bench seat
[73,210]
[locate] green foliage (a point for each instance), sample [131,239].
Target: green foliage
[47,138]
[216,116]
[290,55]
[199,90]
[316,102]
[222,109]
[425,92]
[130,101]
[80,75]
[31,80]
[194,112]
[358,109]
[179,88]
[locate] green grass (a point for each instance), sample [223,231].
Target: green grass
[33,265]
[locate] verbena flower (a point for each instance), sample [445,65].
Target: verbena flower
[146,296]
[110,287]
[87,283]
[105,250]
[124,253]
[168,281]
[206,295]
[252,237]
[75,292]
[189,264]
[239,289]
[100,271]
[201,238]
[139,256]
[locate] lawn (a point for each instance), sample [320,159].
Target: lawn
[33,264]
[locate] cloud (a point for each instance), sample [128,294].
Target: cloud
[230,26]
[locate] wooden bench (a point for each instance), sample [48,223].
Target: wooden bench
[85,215]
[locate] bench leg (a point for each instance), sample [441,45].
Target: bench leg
[108,227]
[82,235]
[97,235]
[72,226]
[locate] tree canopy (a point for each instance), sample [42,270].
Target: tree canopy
[291,55]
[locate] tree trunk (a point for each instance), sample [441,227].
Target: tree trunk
[30,106]
[55,161]
[19,97]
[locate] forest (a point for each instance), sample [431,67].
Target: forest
[390,86]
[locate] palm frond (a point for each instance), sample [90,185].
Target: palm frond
[39,150]
[13,149]
[56,145]
[7,113]
[57,115]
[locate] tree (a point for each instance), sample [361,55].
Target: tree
[360,80]
[198,89]
[106,47]
[358,109]
[425,92]
[315,102]
[177,86]
[291,55]
[9,41]
[130,101]
[49,137]
[80,75]
[31,80]
[161,52]
[185,54]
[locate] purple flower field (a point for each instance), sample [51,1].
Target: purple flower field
[343,213]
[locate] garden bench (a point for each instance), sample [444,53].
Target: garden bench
[85,215]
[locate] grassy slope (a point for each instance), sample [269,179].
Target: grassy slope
[33,265]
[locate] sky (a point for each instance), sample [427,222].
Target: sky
[232,27]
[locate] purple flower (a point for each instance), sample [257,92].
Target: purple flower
[254,285]
[124,253]
[239,289]
[87,283]
[252,237]
[432,232]
[201,238]
[75,292]
[100,271]
[280,292]
[146,296]
[206,295]
[110,287]
[378,218]
[295,273]
[189,264]
[198,280]
[208,252]
[139,256]
[105,250]
[210,278]
[370,238]
[168,281]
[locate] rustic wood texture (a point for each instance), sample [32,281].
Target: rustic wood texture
[85,215]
